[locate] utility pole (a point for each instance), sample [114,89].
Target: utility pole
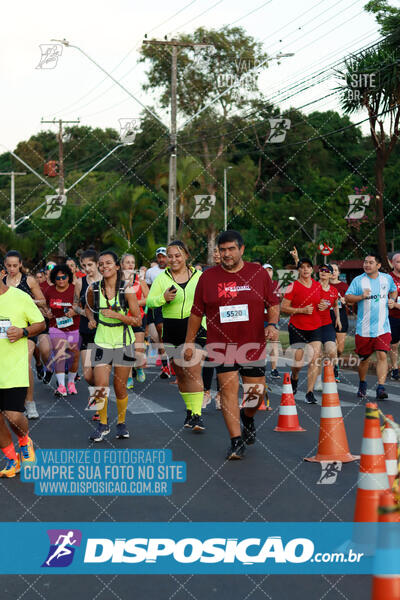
[61,184]
[12,197]
[174,45]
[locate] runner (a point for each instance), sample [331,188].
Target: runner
[370,292]
[64,328]
[341,287]
[141,290]
[208,368]
[89,262]
[274,352]
[394,320]
[44,338]
[328,304]
[154,316]
[173,290]
[301,302]
[17,278]
[233,296]
[19,319]
[114,340]
[76,273]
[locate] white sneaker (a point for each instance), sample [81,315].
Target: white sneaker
[31,411]
[206,399]
[318,384]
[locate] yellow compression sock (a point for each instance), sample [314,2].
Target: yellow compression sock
[122,405]
[193,401]
[103,413]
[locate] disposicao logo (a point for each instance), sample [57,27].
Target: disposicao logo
[62,547]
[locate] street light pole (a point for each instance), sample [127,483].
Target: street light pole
[226,199]
[173,149]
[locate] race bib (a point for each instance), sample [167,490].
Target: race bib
[234,313]
[4,325]
[97,397]
[64,322]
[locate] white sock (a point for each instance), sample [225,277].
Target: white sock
[60,378]
[71,377]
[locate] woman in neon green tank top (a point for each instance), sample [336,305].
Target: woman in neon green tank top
[112,301]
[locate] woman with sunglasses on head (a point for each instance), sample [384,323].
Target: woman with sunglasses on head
[341,334]
[17,278]
[329,303]
[64,327]
[118,313]
[173,290]
[141,289]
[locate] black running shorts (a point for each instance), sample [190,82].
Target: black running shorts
[13,399]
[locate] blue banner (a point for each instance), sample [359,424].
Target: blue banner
[200,548]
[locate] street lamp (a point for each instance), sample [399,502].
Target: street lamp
[226,198]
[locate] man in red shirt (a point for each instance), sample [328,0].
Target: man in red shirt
[394,320]
[302,302]
[233,296]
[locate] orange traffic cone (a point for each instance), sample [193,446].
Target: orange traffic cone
[386,587]
[372,478]
[332,442]
[288,419]
[389,439]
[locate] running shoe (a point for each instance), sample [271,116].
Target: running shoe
[140,375]
[122,431]
[96,417]
[71,388]
[310,398]
[206,398]
[381,393]
[275,374]
[188,419]
[31,410]
[78,377]
[318,384]
[362,389]
[236,450]
[217,400]
[27,453]
[196,423]
[61,391]
[13,466]
[47,377]
[249,428]
[165,373]
[294,385]
[100,433]
[395,375]
[40,372]
[129,384]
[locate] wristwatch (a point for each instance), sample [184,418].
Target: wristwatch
[25,332]
[273,325]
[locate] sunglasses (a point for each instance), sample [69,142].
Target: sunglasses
[324,271]
[61,277]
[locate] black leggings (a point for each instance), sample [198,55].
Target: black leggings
[207,374]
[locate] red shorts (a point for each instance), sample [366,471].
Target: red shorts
[365,346]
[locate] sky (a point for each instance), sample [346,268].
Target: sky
[319,32]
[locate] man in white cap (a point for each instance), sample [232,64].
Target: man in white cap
[154,315]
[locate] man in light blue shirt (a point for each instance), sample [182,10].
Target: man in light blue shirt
[374,293]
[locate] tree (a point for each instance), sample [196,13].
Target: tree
[372,82]
[203,73]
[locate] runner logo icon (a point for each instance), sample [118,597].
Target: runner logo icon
[62,547]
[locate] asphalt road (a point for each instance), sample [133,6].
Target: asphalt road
[272,483]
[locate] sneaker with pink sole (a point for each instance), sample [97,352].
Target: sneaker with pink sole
[61,391]
[71,388]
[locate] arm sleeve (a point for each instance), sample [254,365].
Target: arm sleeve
[198,307]
[156,294]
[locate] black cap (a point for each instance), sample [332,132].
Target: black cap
[305,260]
[329,267]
